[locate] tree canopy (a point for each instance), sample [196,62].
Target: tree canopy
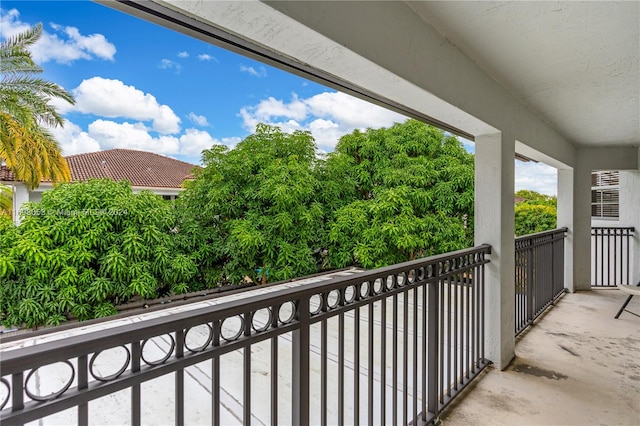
[407,192]
[536,213]
[256,205]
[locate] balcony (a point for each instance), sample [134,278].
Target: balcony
[390,346]
[578,365]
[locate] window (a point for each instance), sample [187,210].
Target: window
[605,194]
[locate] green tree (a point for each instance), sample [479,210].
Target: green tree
[85,248]
[536,213]
[408,193]
[255,206]
[26,145]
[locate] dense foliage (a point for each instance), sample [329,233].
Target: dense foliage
[85,248]
[406,192]
[536,213]
[256,207]
[269,209]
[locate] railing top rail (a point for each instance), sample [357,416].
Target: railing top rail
[542,234]
[624,228]
[14,360]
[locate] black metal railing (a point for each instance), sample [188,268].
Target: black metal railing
[392,345]
[610,256]
[539,266]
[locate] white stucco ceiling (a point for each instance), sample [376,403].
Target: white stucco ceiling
[576,64]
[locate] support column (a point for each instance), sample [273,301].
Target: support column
[581,226]
[565,219]
[629,216]
[494,224]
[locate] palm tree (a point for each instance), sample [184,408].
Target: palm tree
[26,146]
[6,202]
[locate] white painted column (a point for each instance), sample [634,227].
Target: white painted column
[565,219]
[630,216]
[581,236]
[494,224]
[20,196]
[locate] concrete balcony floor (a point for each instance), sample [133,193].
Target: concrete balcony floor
[576,366]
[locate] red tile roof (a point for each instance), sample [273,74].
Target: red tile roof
[141,168]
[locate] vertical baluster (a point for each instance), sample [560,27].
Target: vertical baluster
[480,271]
[83,383]
[274,377]
[395,360]
[215,375]
[341,369]
[442,342]
[455,313]
[300,380]
[405,352]
[370,366]
[136,353]
[323,372]
[425,351]
[356,365]
[415,353]
[179,377]
[383,359]
[246,372]
[432,344]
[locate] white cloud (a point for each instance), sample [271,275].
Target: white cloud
[537,177]
[110,134]
[112,98]
[194,141]
[167,64]
[64,45]
[260,72]
[73,140]
[327,115]
[207,57]
[106,134]
[183,54]
[200,120]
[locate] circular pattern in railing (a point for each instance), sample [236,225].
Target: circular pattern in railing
[159,345]
[315,304]
[197,338]
[401,279]
[287,312]
[411,276]
[365,288]
[6,397]
[50,381]
[333,299]
[378,286]
[108,365]
[232,328]
[391,282]
[261,319]
[350,294]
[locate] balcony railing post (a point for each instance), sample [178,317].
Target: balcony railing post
[300,383]
[433,314]
[530,284]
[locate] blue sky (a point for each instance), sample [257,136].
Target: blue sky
[141,86]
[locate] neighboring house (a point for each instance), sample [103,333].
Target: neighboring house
[145,170]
